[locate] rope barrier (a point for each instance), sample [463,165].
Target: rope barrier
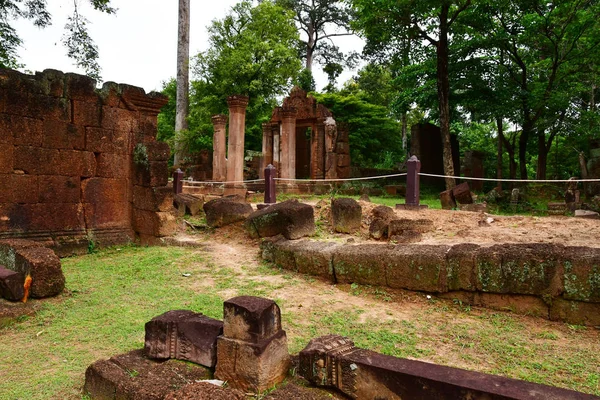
[512,180]
[339,179]
[222,183]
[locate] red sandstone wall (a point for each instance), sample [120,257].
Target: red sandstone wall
[67,173]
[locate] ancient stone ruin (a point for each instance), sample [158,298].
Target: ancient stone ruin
[252,357]
[81,165]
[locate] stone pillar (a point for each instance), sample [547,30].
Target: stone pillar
[412,181]
[270,191]
[235,146]
[288,143]
[252,353]
[277,149]
[219,148]
[177,181]
[267,148]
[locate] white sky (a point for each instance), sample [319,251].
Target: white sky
[138,45]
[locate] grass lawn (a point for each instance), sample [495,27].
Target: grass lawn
[112,293]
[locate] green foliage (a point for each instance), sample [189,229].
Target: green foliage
[140,155]
[80,46]
[372,131]
[306,81]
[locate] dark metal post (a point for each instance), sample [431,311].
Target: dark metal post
[412,181]
[178,181]
[270,174]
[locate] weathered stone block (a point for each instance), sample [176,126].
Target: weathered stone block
[447,200]
[418,267]
[19,188]
[191,204]
[59,189]
[291,218]
[153,199]
[575,312]
[397,226]
[280,252]
[79,87]
[158,151]
[63,135]
[21,131]
[100,140]
[112,165]
[252,354]
[132,376]
[6,159]
[315,258]
[183,335]
[43,265]
[462,193]
[119,119]
[225,211]
[406,236]
[154,223]
[112,190]
[206,391]
[582,274]
[11,284]
[378,229]
[346,214]
[41,217]
[365,264]
[107,214]
[384,212]
[461,271]
[152,175]
[87,113]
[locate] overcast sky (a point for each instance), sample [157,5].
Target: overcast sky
[138,45]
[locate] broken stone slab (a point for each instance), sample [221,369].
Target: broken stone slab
[183,335]
[378,228]
[291,218]
[133,376]
[11,284]
[557,208]
[334,361]
[474,207]
[226,210]
[188,203]
[407,236]
[586,214]
[383,212]
[47,278]
[462,193]
[346,214]
[421,225]
[252,353]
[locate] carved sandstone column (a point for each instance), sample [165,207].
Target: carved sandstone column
[277,148]
[288,143]
[219,148]
[235,146]
[267,147]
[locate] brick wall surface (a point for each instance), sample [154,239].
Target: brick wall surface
[67,165]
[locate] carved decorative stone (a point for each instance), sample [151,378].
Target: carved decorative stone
[183,335]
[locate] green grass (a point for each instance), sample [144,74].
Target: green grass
[113,293]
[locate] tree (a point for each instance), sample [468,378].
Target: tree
[320,21]
[183,73]
[251,52]
[391,25]
[80,46]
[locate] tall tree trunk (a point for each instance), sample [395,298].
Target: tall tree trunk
[542,161]
[512,163]
[523,139]
[443,86]
[404,127]
[499,155]
[183,76]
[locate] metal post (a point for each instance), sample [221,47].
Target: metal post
[412,181]
[178,181]
[270,194]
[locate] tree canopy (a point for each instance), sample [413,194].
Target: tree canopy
[80,46]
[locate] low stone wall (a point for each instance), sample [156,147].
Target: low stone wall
[548,280]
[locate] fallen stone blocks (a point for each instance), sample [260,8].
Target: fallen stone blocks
[188,204]
[226,210]
[40,263]
[346,215]
[11,284]
[291,218]
[333,361]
